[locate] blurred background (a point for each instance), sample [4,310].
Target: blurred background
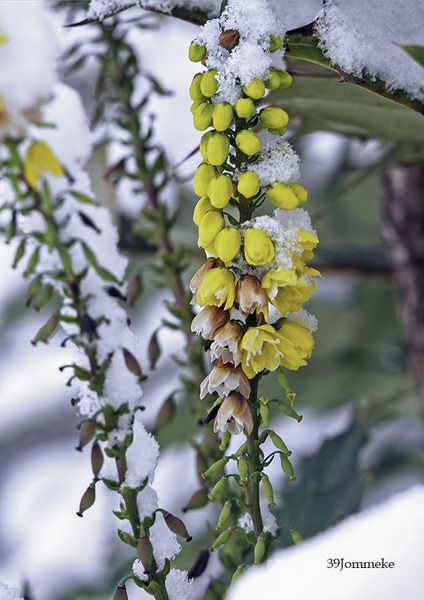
[361,436]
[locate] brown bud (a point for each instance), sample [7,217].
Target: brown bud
[166,413]
[198,499]
[145,552]
[87,499]
[177,526]
[132,364]
[154,350]
[87,431]
[120,593]
[96,459]
[229,39]
[200,564]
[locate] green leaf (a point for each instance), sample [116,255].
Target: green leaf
[84,199]
[324,103]
[415,52]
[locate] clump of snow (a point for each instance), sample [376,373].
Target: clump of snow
[142,456]
[138,570]
[361,38]
[277,161]
[101,9]
[303,318]
[8,593]
[255,21]
[178,586]
[147,502]
[164,541]
[268,519]
[25,85]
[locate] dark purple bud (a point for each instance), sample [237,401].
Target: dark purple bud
[96,459]
[166,412]
[88,221]
[177,526]
[89,325]
[120,593]
[87,499]
[154,350]
[86,433]
[145,552]
[198,499]
[229,39]
[132,364]
[115,293]
[200,565]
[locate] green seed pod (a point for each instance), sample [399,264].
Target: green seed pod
[287,467]
[204,144]
[287,410]
[222,116]
[241,450]
[259,550]
[264,410]
[219,190]
[221,539]
[96,459]
[145,552]
[47,330]
[32,263]
[20,252]
[198,500]
[43,297]
[203,176]
[196,52]
[201,208]
[248,141]
[209,84]
[218,148]
[245,108]
[278,442]
[120,593]
[240,569]
[87,432]
[274,43]
[268,491]
[273,117]
[224,516]
[243,470]
[248,184]
[218,488]
[216,467]
[87,500]
[177,526]
[296,537]
[195,91]
[255,89]
[202,118]
[226,436]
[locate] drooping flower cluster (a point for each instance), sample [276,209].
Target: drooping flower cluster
[256,265]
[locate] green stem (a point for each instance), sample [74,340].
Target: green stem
[254,464]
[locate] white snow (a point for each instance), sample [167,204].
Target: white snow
[142,456]
[164,541]
[303,318]
[100,9]
[178,586]
[391,531]
[361,38]
[277,161]
[269,521]
[8,593]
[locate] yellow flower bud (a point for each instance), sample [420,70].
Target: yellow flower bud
[285,78]
[209,84]
[300,192]
[222,116]
[202,207]
[217,288]
[249,184]
[195,91]
[40,158]
[248,141]
[217,149]
[195,105]
[197,52]
[204,174]
[255,89]
[278,79]
[283,196]
[273,117]
[245,108]
[258,247]
[219,190]
[211,224]
[202,118]
[204,140]
[274,43]
[227,244]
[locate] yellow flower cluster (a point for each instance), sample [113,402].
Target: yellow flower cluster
[244,270]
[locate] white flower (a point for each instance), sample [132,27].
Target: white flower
[226,344]
[209,320]
[233,415]
[223,379]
